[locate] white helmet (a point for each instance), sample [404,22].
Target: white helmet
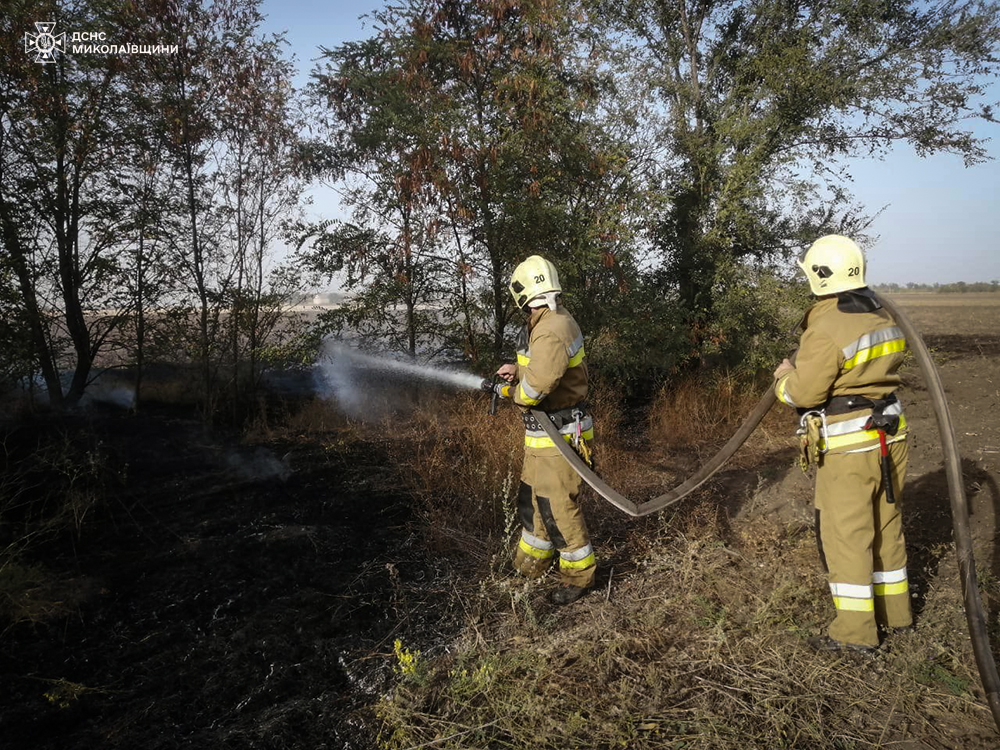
[833,264]
[535,277]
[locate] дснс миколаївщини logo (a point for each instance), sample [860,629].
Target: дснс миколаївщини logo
[45,44]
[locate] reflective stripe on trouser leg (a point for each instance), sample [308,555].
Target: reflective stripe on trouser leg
[556,488]
[852,597]
[578,559]
[891,584]
[533,555]
[846,487]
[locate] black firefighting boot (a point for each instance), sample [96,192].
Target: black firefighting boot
[567,594]
[826,644]
[893,639]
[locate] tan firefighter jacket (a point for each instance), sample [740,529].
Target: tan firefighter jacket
[845,354]
[552,374]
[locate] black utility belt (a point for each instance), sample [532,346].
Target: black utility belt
[844,404]
[560,417]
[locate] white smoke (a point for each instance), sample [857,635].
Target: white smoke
[107,387]
[100,393]
[258,464]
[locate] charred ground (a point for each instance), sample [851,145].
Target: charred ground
[230,595]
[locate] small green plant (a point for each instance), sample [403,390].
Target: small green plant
[467,682]
[408,663]
[710,614]
[935,675]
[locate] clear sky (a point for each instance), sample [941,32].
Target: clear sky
[941,222]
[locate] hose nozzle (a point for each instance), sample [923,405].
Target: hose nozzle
[487,385]
[490,386]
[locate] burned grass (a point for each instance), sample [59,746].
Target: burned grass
[219,601]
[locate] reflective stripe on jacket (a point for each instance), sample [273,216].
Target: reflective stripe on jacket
[846,354]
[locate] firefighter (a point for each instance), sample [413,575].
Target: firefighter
[843,384]
[551,376]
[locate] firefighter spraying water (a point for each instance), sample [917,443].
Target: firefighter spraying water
[549,384]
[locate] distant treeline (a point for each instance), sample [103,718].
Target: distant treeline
[958,286]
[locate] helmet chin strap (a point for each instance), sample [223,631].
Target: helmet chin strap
[549,299]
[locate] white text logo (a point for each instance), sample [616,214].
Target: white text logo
[45,44]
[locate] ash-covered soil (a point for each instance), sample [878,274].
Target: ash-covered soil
[228,596]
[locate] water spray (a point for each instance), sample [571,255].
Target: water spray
[358,360]
[346,374]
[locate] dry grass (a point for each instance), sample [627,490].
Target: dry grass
[305,421]
[699,413]
[695,636]
[20,584]
[700,648]
[685,414]
[53,480]
[685,425]
[462,465]
[465,467]
[173,384]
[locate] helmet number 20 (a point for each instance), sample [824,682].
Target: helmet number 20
[855,271]
[540,278]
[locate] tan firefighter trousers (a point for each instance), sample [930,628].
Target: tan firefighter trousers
[552,521]
[861,543]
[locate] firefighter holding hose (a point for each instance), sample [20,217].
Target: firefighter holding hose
[551,376]
[843,384]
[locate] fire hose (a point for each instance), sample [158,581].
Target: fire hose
[975,615]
